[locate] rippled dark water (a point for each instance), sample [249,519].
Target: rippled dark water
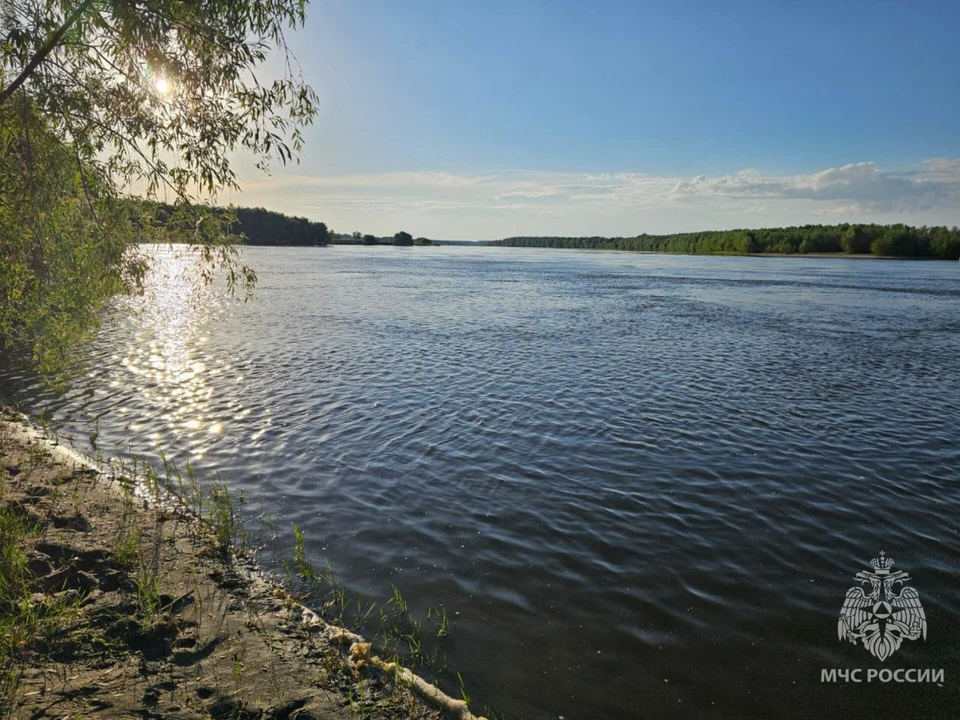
[640,484]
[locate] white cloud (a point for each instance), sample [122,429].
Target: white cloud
[861,187]
[496,204]
[942,166]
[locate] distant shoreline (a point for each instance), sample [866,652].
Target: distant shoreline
[494,244]
[852,240]
[847,256]
[830,255]
[797,255]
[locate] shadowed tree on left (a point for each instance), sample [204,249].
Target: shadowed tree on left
[102,101]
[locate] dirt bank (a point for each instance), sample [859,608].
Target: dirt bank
[117,606]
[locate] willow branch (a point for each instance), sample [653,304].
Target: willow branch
[45,50]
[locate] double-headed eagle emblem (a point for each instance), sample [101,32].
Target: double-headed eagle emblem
[880,614]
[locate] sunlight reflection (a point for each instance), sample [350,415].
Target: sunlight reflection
[168,356]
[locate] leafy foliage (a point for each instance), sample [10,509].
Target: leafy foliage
[885,240]
[256,226]
[160,92]
[102,99]
[401,239]
[265,227]
[63,240]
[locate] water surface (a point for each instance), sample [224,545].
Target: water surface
[639,484]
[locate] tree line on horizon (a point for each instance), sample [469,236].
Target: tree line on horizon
[156,221]
[881,240]
[400,239]
[259,226]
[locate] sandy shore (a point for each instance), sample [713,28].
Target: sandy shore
[131,607]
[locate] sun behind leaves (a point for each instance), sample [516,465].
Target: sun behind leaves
[98,86]
[100,101]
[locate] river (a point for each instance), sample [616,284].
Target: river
[640,485]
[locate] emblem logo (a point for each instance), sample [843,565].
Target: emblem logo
[878,613]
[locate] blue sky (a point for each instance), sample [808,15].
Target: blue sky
[479,120]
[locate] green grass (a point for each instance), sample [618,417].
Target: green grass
[25,621]
[396,599]
[222,516]
[396,631]
[131,552]
[438,614]
[463,689]
[127,544]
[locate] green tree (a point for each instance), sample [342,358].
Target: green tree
[370,240]
[855,240]
[904,241]
[99,99]
[403,239]
[63,242]
[899,240]
[322,234]
[265,227]
[159,92]
[945,243]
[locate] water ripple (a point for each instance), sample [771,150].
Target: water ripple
[641,484]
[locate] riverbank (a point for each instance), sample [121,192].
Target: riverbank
[117,602]
[881,240]
[840,256]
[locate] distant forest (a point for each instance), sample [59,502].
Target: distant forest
[357,238]
[265,227]
[258,225]
[881,240]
